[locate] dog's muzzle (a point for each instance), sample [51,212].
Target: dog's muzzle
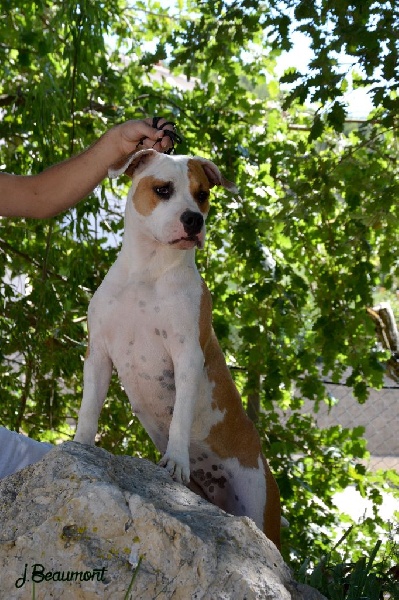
[193,222]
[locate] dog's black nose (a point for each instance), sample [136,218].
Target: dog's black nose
[192,222]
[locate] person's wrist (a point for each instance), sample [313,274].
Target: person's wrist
[113,142]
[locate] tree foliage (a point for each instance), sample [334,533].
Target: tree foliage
[292,262]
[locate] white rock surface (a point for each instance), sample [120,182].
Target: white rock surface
[84,524]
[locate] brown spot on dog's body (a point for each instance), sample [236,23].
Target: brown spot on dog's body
[199,185]
[271,525]
[235,435]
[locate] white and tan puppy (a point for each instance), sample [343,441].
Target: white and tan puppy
[151,318]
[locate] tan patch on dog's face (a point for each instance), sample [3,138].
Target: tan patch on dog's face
[199,185]
[149,193]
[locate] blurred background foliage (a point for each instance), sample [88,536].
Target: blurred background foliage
[292,263]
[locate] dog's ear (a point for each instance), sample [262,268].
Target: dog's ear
[214,175]
[129,165]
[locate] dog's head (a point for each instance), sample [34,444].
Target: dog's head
[170,195]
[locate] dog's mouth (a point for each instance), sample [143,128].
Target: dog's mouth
[186,242]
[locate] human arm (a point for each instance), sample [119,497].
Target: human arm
[61,186]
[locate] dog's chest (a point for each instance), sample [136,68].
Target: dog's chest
[135,323]
[142,325]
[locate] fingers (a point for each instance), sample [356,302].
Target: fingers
[132,136]
[158,142]
[156,133]
[158,124]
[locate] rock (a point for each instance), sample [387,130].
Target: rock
[84,524]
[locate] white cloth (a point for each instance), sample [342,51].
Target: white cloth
[18,451]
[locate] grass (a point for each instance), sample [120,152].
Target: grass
[136,570]
[365,579]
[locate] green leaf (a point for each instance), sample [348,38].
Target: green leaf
[317,129]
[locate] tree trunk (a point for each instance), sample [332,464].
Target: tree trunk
[388,335]
[253,394]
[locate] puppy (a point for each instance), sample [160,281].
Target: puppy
[151,318]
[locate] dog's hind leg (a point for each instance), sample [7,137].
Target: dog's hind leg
[239,490]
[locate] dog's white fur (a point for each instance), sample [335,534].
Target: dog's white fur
[151,319]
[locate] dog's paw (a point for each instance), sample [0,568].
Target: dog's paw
[177,470]
[82,438]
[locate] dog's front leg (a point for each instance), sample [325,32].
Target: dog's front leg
[188,366]
[97,375]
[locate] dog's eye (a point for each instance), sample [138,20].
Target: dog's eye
[163,191]
[202,197]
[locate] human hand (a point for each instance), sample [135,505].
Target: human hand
[139,135]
